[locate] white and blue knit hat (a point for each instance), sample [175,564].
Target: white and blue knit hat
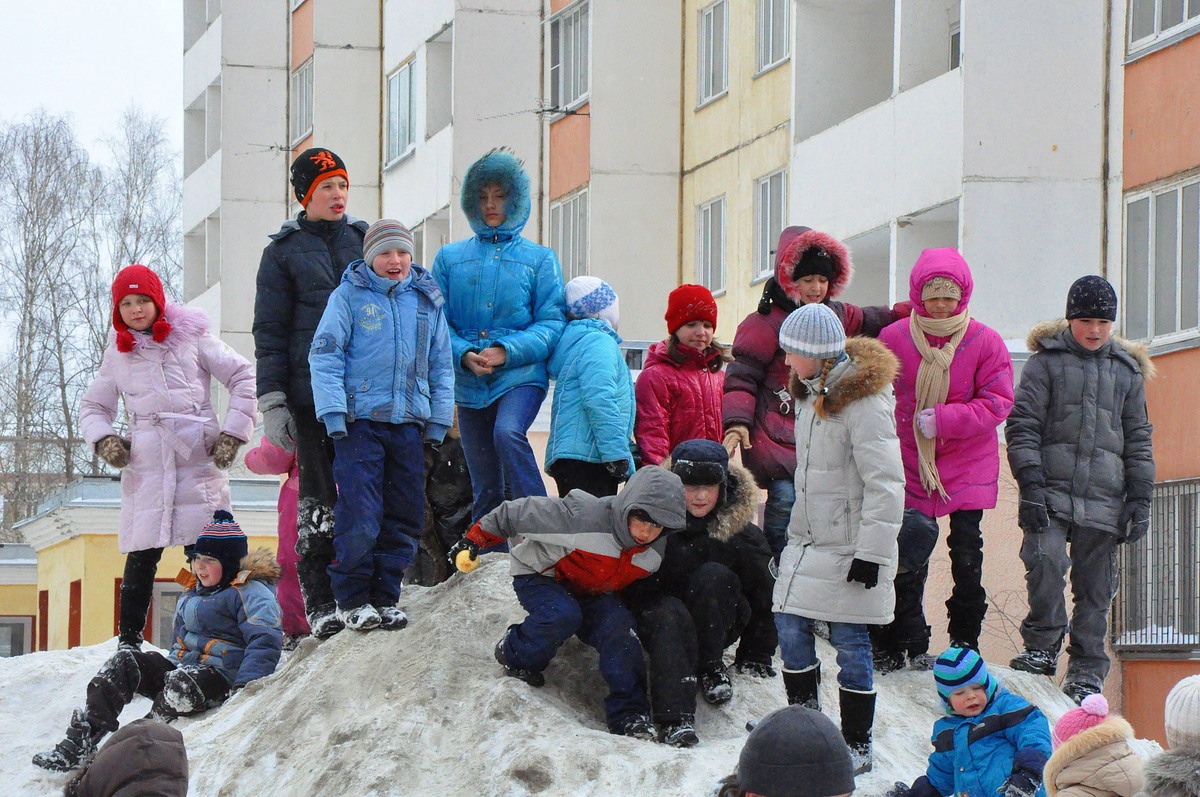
[813,331]
[592,297]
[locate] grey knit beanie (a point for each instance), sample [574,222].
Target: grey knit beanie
[813,331]
[796,752]
[1182,715]
[384,235]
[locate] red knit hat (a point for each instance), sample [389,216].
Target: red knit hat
[690,303]
[137,279]
[1088,714]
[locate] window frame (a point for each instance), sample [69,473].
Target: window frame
[403,149]
[1186,275]
[25,623]
[579,66]
[764,240]
[300,102]
[704,266]
[163,620]
[1158,35]
[706,95]
[764,38]
[575,208]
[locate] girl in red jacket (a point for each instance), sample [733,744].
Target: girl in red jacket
[679,390]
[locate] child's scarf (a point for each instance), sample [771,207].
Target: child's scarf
[933,384]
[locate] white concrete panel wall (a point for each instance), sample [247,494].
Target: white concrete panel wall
[923,50]
[202,63]
[419,185]
[408,24]
[201,194]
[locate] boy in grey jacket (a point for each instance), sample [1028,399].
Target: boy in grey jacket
[1079,447]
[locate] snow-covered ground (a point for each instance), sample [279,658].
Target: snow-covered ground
[426,710]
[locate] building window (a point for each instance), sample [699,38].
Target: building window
[1153,20]
[162,612]
[714,51]
[1162,261]
[400,126]
[16,636]
[569,233]
[300,116]
[770,209]
[956,46]
[772,33]
[569,61]
[710,245]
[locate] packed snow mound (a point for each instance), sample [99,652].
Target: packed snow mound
[427,710]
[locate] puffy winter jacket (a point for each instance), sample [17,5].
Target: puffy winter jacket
[980,398]
[171,487]
[591,419]
[584,541]
[974,756]
[1080,423]
[849,493]
[728,537]
[677,399]
[145,758]
[382,353]
[756,382]
[1097,762]
[500,289]
[233,627]
[299,269]
[1172,773]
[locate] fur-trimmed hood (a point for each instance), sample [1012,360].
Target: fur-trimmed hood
[1084,759]
[1048,336]
[185,322]
[870,369]
[738,507]
[502,167]
[787,256]
[1172,773]
[258,565]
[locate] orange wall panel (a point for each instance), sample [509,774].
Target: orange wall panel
[570,153]
[1176,455]
[1146,686]
[1162,114]
[559,5]
[302,34]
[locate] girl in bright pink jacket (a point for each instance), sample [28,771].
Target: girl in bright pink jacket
[269,459]
[955,387]
[160,363]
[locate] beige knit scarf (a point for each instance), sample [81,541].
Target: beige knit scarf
[933,384]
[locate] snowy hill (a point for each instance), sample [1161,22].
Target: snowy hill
[426,711]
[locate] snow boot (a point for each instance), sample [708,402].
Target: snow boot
[76,750]
[392,618]
[801,686]
[360,618]
[679,734]
[887,660]
[1079,686]
[324,622]
[637,726]
[965,643]
[1036,661]
[528,676]
[858,715]
[715,685]
[921,662]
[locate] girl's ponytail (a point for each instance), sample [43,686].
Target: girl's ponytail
[819,404]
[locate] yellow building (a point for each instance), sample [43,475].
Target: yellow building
[18,598]
[79,568]
[736,146]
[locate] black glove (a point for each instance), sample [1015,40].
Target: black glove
[899,789]
[1032,516]
[1135,520]
[463,545]
[618,469]
[865,573]
[1020,784]
[755,669]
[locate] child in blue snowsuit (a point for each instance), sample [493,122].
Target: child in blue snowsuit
[991,743]
[383,383]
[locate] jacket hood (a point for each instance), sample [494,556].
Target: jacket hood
[162,765]
[1048,336]
[1172,773]
[361,275]
[739,506]
[258,565]
[799,241]
[948,263]
[657,492]
[871,370]
[185,322]
[499,166]
[576,329]
[292,225]
[1111,731]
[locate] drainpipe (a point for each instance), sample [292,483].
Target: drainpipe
[543,129]
[682,110]
[1104,137]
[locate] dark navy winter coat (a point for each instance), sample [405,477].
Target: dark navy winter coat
[299,269]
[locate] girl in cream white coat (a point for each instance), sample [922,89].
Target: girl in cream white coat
[841,555]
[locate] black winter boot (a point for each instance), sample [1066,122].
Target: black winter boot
[76,750]
[679,734]
[137,589]
[715,685]
[858,715]
[801,686]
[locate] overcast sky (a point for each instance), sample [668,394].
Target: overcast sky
[91,60]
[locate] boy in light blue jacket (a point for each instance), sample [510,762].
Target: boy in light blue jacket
[383,382]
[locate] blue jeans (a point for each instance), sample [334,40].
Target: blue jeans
[498,452]
[798,648]
[777,513]
[600,621]
[380,513]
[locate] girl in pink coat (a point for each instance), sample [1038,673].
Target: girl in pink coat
[160,363]
[269,459]
[955,387]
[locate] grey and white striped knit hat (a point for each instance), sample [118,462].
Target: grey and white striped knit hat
[813,331]
[384,235]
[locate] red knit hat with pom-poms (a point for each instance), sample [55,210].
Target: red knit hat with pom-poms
[133,280]
[1088,714]
[690,303]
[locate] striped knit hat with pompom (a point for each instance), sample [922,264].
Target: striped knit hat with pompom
[223,540]
[959,667]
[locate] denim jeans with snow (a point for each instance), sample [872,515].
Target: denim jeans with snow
[798,649]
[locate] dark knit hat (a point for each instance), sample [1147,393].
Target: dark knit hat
[311,167]
[385,235]
[815,260]
[959,667]
[796,752]
[1092,297]
[690,303]
[224,541]
[700,462]
[137,279]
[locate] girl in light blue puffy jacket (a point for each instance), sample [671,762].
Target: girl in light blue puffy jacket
[591,420]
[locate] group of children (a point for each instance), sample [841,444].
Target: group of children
[861,444]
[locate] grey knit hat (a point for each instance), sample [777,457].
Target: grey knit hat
[1182,715]
[796,752]
[383,235]
[813,331]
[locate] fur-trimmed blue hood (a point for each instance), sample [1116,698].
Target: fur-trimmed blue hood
[499,166]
